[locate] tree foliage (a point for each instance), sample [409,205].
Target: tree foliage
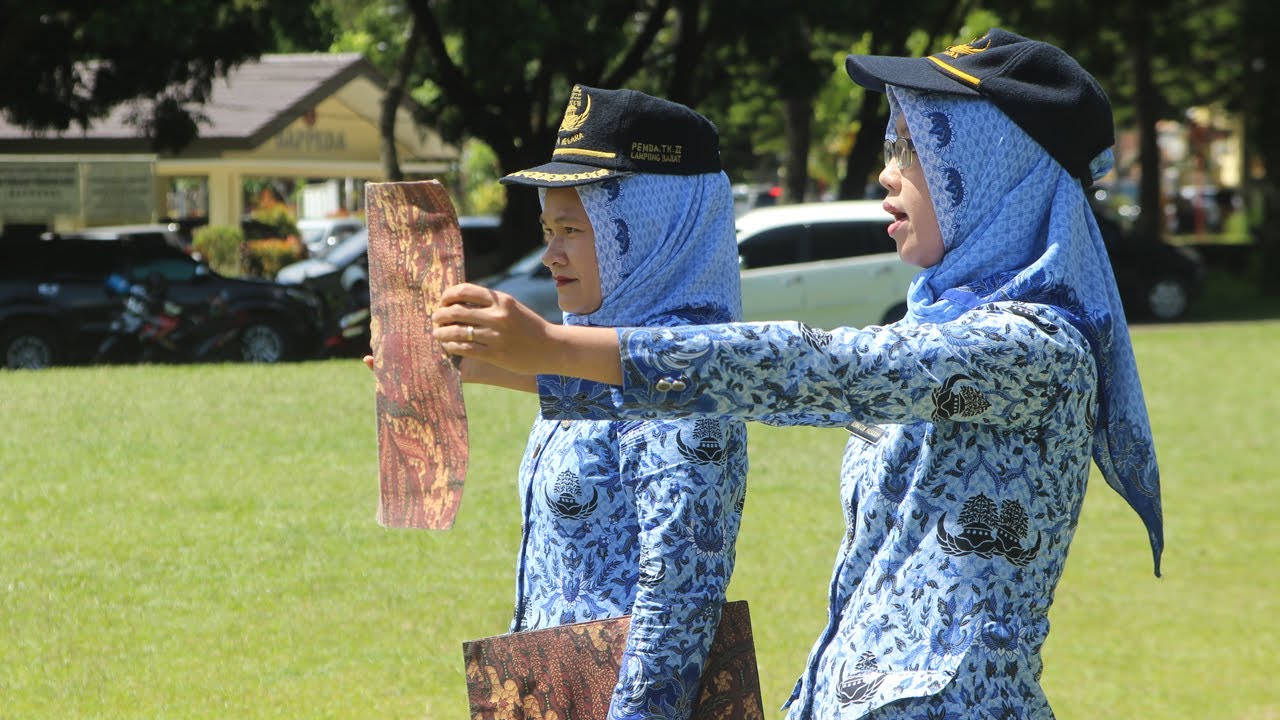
[771,75]
[69,62]
[1155,58]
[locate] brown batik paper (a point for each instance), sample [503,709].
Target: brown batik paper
[569,672]
[415,252]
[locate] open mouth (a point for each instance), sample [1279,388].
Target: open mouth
[899,218]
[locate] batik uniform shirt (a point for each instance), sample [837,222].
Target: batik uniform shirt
[632,518]
[961,485]
[972,424]
[640,517]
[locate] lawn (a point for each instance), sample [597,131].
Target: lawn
[199,542]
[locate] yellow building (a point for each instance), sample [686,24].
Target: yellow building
[301,117]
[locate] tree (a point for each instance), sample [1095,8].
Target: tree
[69,62]
[501,71]
[1260,102]
[1155,59]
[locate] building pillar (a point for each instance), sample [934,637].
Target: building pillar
[226,202]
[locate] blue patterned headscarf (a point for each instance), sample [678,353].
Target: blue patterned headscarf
[1017,226]
[666,249]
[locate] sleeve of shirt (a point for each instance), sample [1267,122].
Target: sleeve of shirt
[689,478]
[993,365]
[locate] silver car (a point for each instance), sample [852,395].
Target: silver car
[826,264]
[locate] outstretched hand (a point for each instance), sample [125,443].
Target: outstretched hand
[484,324]
[476,322]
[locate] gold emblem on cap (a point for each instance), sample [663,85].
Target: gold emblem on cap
[957,51]
[574,118]
[969,48]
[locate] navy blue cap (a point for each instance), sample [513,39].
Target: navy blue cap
[609,133]
[1040,87]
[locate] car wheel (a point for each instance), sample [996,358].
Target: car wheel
[29,347]
[1167,299]
[263,342]
[894,314]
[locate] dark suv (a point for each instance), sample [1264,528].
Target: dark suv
[55,308]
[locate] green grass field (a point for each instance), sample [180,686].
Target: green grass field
[199,542]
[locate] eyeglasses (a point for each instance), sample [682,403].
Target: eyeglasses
[902,150]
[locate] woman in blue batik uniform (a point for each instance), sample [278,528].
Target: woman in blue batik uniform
[632,517]
[972,420]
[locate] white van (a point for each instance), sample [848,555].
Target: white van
[826,264]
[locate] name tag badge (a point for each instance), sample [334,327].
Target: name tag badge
[869,434]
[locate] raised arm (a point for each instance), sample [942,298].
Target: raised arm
[1007,364]
[476,322]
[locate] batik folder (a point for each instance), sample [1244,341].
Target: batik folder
[569,672]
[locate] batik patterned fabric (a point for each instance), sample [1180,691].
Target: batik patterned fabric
[988,211]
[640,517]
[972,423]
[962,485]
[654,250]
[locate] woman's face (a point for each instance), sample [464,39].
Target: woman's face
[571,251]
[915,228]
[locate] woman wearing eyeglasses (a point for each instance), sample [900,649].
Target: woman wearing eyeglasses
[972,421]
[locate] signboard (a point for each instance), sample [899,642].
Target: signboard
[119,192]
[37,191]
[96,191]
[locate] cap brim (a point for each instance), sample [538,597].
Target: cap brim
[873,72]
[560,174]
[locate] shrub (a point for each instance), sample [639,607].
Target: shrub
[220,246]
[264,258]
[277,217]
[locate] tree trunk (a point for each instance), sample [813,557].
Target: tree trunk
[1264,92]
[799,130]
[391,103]
[1150,222]
[868,147]
[867,151]
[520,229]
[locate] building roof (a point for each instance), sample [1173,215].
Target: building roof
[256,100]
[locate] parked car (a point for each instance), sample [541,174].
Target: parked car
[800,277]
[1157,281]
[347,262]
[55,307]
[339,276]
[481,243]
[833,264]
[826,264]
[340,273]
[320,234]
[748,196]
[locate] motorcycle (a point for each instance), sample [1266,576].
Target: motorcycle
[350,336]
[151,328]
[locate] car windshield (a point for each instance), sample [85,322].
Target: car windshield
[347,251]
[312,232]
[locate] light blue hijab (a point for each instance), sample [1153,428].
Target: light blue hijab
[1017,226]
[666,248]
